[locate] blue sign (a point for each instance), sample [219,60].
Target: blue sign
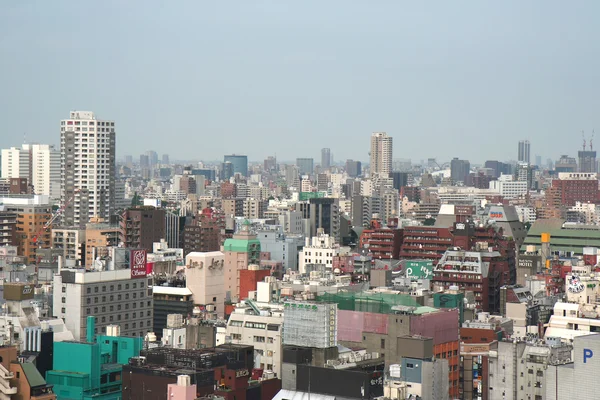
[587,353]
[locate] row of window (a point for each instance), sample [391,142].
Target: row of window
[119,287]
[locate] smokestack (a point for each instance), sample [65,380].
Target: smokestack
[90,328]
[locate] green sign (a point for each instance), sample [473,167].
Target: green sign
[303,196]
[419,269]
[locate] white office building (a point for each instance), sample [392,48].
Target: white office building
[509,189]
[39,163]
[115,297]
[318,250]
[87,150]
[253,325]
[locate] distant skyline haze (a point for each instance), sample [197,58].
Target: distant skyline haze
[199,80]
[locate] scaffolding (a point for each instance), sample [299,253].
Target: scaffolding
[380,303]
[310,324]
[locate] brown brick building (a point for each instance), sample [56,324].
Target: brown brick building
[142,226]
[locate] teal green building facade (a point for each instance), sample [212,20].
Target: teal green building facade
[92,369]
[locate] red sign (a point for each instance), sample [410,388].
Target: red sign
[137,261]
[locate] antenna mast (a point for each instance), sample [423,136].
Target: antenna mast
[583,136]
[591,141]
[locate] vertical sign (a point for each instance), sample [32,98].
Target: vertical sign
[138,263]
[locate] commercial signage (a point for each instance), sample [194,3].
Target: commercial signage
[241,373]
[18,291]
[138,263]
[419,269]
[496,215]
[587,354]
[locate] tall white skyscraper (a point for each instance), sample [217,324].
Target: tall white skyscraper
[381,154]
[15,163]
[39,163]
[87,150]
[524,152]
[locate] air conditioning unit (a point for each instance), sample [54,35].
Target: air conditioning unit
[210,307]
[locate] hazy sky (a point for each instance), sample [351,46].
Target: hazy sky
[197,79]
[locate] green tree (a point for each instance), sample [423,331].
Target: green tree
[429,222]
[136,200]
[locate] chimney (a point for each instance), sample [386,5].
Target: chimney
[90,328]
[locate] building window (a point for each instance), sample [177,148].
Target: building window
[236,336]
[104,288]
[119,287]
[259,339]
[64,300]
[127,286]
[96,289]
[89,301]
[410,365]
[270,340]
[64,289]
[89,290]
[134,286]
[63,310]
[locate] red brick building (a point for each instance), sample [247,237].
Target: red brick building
[425,242]
[572,187]
[249,279]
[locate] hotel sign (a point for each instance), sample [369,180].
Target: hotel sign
[138,263]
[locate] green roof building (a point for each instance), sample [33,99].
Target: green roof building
[565,237]
[240,251]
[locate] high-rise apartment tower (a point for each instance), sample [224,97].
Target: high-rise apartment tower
[87,149]
[381,154]
[524,151]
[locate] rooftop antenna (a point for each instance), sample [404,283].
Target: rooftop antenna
[24,137]
[591,141]
[583,136]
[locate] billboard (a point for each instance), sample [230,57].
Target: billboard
[137,261]
[18,291]
[422,269]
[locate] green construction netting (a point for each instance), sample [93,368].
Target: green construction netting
[369,302]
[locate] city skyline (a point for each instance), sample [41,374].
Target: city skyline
[459,76]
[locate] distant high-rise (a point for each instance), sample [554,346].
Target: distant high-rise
[144,161]
[240,163]
[498,168]
[325,158]
[353,168]
[38,163]
[165,159]
[270,164]
[129,161]
[305,166]
[152,158]
[381,154]
[459,170]
[226,171]
[524,151]
[87,150]
[587,161]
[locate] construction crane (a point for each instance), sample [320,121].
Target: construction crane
[56,214]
